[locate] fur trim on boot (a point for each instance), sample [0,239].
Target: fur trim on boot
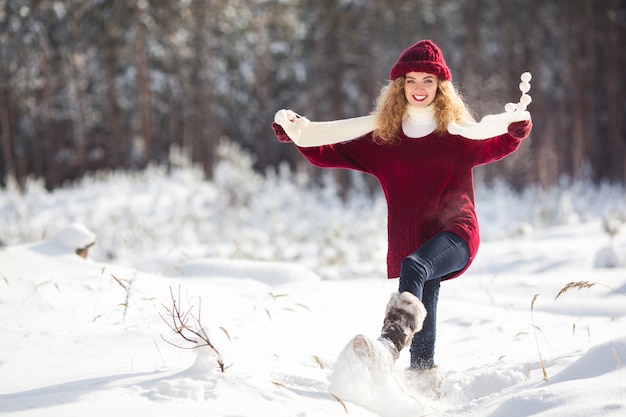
[404,317]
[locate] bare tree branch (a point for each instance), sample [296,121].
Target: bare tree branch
[189,327]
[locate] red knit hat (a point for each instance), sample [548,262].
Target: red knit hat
[424,56]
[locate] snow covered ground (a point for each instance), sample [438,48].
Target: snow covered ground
[280,279]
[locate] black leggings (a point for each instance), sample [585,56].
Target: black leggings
[421,274]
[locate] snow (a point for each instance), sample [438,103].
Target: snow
[280,283]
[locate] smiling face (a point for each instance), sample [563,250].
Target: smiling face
[420,88]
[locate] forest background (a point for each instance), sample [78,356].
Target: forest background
[92,85]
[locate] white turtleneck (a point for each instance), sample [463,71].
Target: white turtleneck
[420,121]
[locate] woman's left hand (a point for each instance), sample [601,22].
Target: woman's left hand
[520,130]
[513,120]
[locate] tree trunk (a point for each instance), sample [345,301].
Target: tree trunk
[77,62]
[544,168]
[469,70]
[115,146]
[206,129]
[6,131]
[143,88]
[614,88]
[580,92]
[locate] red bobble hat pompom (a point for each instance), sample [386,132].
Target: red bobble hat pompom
[424,56]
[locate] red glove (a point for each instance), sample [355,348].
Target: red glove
[280,134]
[520,130]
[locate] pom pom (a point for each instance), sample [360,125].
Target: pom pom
[524,87]
[526,77]
[509,107]
[525,99]
[520,107]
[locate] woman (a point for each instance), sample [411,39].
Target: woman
[421,144]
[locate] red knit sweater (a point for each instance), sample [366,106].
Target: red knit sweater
[427,183]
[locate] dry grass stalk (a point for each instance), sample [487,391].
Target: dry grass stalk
[119,281]
[293,308]
[535,328]
[619,363]
[318,361]
[126,287]
[575,286]
[339,400]
[584,284]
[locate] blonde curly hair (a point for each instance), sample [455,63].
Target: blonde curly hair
[391,109]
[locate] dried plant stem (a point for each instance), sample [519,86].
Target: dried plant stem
[619,365]
[189,328]
[579,285]
[575,285]
[535,328]
[127,289]
[340,401]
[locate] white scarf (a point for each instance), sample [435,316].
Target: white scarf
[419,123]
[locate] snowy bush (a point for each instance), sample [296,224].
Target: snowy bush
[278,216]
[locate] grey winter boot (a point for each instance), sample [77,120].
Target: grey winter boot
[404,317]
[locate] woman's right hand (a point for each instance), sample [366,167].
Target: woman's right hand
[280,133]
[290,123]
